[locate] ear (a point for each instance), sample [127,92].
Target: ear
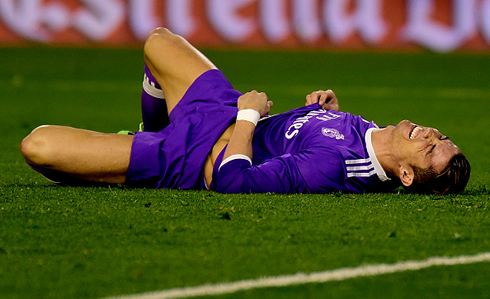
[406,175]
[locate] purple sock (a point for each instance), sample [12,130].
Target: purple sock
[153,105]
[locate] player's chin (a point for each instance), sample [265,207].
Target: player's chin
[404,123]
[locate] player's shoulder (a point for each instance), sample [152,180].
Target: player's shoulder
[334,170]
[322,169]
[322,159]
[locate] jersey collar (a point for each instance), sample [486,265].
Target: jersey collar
[372,155]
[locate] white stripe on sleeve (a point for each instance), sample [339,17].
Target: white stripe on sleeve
[235,157]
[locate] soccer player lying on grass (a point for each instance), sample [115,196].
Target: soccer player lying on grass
[200,133]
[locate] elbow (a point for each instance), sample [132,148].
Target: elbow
[227,187]
[229,184]
[235,177]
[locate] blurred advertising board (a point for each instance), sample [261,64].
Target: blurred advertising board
[439,25]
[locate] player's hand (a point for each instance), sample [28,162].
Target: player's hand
[326,99]
[257,101]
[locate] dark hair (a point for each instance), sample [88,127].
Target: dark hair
[452,180]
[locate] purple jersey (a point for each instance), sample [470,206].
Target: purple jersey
[306,150]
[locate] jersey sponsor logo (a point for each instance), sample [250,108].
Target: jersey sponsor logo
[320,114]
[332,133]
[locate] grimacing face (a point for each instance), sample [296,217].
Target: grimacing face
[422,146]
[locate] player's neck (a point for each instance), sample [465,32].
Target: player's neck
[382,144]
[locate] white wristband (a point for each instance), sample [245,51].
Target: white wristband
[250,115]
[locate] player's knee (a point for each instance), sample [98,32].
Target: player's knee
[160,41]
[161,32]
[36,147]
[156,38]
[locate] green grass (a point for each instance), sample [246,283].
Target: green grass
[68,242]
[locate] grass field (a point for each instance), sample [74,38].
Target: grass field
[68,242]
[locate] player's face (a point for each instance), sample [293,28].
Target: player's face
[422,146]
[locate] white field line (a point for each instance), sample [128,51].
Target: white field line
[316,277]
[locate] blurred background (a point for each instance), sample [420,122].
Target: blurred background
[439,25]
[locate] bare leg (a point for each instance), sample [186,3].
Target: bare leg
[99,157]
[174,63]
[78,153]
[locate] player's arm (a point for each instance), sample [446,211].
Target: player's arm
[326,99]
[278,175]
[251,106]
[313,170]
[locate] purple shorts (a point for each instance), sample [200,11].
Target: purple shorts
[174,157]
